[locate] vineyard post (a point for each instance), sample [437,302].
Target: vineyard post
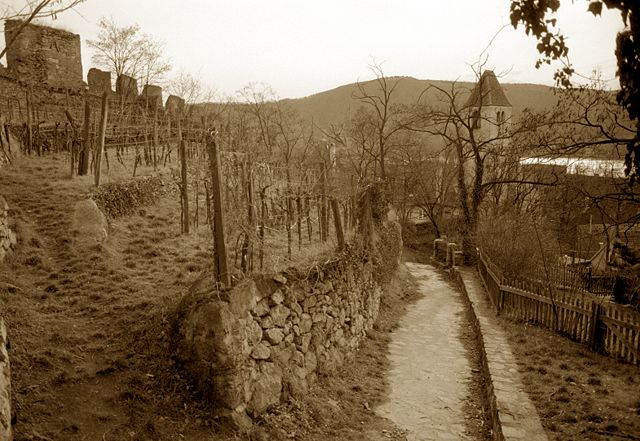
[184,183]
[220,251]
[103,129]
[337,222]
[83,159]
[29,122]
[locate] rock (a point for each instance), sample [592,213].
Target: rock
[254,333]
[282,353]
[297,386]
[280,278]
[240,420]
[289,338]
[243,298]
[329,323]
[274,335]
[310,361]
[298,358]
[296,308]
[266,390]
[261,308]
[261,352]
[319,317]
[277,297]
[306,322]
[89,224]
[266,322]
[302,342]
[279,313]
[309,303]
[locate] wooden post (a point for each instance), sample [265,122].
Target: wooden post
[29,122]
[72,150]
[323,203]
[183,176]
[220,251]
[594,327]
[338,223]
[103,129]
[263,215]
[83,159]
[155,139]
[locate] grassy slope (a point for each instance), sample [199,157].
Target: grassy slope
[87,326]
[580,395]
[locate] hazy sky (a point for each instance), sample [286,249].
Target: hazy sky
[301,47]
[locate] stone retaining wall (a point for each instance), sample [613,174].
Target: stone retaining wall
[7,236]
[270,337]
[6,432]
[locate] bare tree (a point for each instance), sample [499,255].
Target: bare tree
[380,120]
[125,50]
[479,142]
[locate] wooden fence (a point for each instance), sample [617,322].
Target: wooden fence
[594,320]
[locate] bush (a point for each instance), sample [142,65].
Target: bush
[125,198]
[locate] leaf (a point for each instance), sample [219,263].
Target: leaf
[595,8]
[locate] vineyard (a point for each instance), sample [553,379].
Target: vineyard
[280,195]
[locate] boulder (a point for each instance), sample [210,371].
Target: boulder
[89,224]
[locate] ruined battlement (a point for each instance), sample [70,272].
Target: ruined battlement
[43,55]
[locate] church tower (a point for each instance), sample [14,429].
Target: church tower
[489,109]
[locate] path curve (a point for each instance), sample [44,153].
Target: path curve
[430,370]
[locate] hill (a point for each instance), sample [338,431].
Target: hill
[333,106]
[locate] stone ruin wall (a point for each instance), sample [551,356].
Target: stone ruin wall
[47,61]
[269,338]
[44,55]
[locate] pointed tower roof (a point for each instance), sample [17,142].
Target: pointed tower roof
[491,95]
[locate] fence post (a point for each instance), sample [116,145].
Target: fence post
[337,223]
[103,129]
[594,334]
[83,159]
[183,180]
[501,301]
[220,251]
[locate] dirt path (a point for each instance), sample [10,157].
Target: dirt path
[430,368]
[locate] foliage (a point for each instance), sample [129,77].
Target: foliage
[537,18]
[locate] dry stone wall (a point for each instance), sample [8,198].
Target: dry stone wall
[7,236]
[270,337]
[6,431]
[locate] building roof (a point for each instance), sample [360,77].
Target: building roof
[492,93]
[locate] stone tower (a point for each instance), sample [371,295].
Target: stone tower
[489,108]
[44,55]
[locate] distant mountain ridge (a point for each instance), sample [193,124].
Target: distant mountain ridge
[333,106]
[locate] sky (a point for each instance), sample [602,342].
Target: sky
[299,47]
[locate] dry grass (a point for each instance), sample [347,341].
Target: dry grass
[88,327]
[580,395]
